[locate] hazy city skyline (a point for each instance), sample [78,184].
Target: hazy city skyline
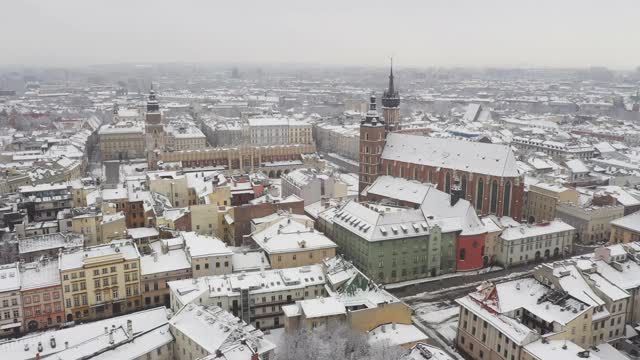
[417,33]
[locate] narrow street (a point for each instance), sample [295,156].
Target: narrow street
[452,287]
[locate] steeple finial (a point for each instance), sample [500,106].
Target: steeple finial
[391,89]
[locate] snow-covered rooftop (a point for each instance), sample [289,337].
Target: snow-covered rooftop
[289,235]
[527,230]
[475,157]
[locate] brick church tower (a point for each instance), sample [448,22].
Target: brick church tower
[372,140]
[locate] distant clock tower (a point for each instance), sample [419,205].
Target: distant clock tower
[154,130]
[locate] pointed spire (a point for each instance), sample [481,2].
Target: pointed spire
[390,97]
[391,89]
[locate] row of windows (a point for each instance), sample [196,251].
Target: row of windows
[206,265]
[14,302]
[29,311]
[45,297]
[7,314]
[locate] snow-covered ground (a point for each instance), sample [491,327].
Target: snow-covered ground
[276,336]
[441,317]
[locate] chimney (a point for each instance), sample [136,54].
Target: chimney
[130,327]
[111,340]
[255,356]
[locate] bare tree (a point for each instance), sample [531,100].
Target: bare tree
[335,343]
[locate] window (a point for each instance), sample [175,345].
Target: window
[198,267]
[463,254]
[480,194]
[447,183]
[463,186]
[494,196]
[206,265]
[506,202]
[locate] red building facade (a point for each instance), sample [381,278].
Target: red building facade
[470,252]
[41,292]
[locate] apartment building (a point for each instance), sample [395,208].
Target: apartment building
[279,131]
[498,321]
[352,298]
[165,263]
[174,186]
[185,137]
[343,140]
[43,201]
[49,246]
[568,301]
[208,255]
[101,281]
[122,141]
[41,292]
[592,222]
[542,199]
[194,326]
[11,315]
[255,297]
[98,227]
[312,186]
[289,243]
[625,229]
[144,335]
[268,131]
[527,243]
[608,301]
[300,132]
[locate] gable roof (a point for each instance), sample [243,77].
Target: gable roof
[475,157]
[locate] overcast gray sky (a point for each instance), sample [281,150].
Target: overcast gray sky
[341,32]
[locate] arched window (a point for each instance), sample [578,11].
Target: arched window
[389,169]
[366,149]
[401,171]
[480,194]
[506,200]
[415,173]
[463,254]
[494,196]
[431,176]
[463,186]
[366,136]
[447,183]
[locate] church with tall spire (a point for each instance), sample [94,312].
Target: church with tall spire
[492,184]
